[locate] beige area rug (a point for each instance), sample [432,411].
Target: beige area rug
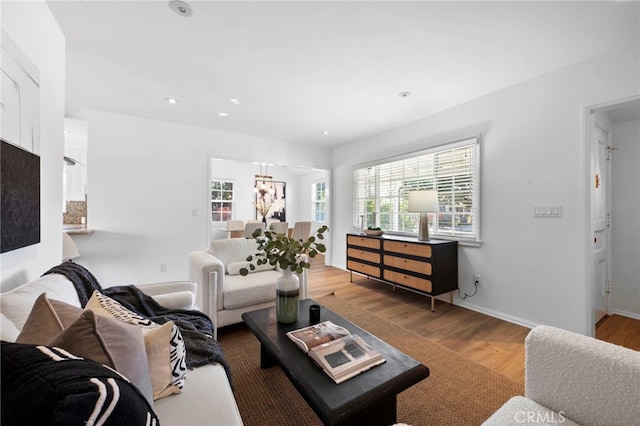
[457,392]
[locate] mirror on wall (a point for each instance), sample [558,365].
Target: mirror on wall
[74,174]
[302,193]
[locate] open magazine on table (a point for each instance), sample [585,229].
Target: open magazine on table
[340,354]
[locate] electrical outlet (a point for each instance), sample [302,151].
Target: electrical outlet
[476,279]
[163,267]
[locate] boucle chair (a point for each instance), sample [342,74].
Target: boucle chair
[574,379]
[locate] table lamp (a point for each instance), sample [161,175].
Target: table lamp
[69,249]
[423,202]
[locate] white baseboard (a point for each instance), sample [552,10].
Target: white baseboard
[458,302]
[626,314]
[500,315]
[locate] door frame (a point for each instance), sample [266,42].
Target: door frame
[589,122]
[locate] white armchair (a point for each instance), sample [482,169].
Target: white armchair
[224,294]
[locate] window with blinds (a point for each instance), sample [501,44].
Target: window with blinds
[381,191]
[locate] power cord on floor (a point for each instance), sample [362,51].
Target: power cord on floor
[475,284]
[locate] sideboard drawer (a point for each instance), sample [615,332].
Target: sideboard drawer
[408,264]
[369,256]
[413,249]
[408,280]
[355,240]
[423,267]
[363,268]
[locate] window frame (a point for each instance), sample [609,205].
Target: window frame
[370,184]
[222,201]
[315,201]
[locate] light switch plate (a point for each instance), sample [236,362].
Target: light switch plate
[548,210]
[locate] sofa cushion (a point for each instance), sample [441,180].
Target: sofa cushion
[38,389]
[16,304]
[110,342]
[166,352]
[233,250]
[234,267]
[208,400]
[250,290]
[46,319]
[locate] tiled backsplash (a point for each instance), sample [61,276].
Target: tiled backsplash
[76,211]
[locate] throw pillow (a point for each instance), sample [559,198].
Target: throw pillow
[164,345]
[234,267]
[110,342]
[158,352]
[47,318]
[47,385]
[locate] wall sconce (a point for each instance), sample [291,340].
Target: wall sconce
[423,202]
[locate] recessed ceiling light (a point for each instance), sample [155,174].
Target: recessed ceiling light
[404,94]
[223,114]
[172,101]
[180,8]
[325,132]
[234,101]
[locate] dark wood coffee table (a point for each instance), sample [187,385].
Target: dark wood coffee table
[369,398]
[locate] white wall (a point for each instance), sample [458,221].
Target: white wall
[146,179]
[32,27]
[625,219]
[533,152]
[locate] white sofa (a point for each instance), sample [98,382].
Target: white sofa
[223,293]
[207,398]
[574,379]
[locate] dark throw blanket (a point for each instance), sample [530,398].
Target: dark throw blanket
[195,326]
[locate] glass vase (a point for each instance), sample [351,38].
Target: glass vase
[287,294]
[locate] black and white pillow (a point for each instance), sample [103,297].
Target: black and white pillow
[166,351]
[48,385]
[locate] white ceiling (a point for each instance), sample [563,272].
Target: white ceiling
[300,67]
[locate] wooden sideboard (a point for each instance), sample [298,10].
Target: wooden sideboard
[425,267]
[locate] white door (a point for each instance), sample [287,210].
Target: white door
[601,221]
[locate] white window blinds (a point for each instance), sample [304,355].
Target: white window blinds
[381,191]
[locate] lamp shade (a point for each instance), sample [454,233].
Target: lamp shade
[423,201]
[69,249]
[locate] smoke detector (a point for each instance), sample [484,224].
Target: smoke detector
[180,8]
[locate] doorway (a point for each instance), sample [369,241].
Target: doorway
[613,147]
[304,202]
